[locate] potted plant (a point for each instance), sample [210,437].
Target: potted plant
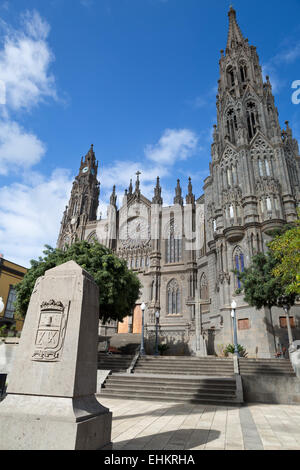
[162,348]
[229,350]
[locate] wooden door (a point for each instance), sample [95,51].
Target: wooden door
[137,320]
[123,326]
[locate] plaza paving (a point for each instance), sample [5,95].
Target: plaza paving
[152,425]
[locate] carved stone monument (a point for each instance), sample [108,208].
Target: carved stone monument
[51,401]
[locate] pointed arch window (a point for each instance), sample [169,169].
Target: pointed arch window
[173,298]
[252,119]
[230,76]
[232,126]
[173,246]
[243,71]
[204,294]
[239,264]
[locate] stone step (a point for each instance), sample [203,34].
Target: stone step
[170,389]
[194,371]
[198,374]
[213,400]
[131,388]
[271,360]
[180,359]
[265,367]
[288,374]
[116,363]
[183,382]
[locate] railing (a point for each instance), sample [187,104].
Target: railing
[134,360]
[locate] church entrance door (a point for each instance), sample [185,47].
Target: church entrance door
[137,320]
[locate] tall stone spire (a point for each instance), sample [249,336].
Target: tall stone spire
[178,194]
[190,198]
[137,184]
[113,197]
[83,203]
[235,35]
[157,199]
[130,188]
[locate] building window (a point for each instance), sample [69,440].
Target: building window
[243,71]
[244,324]
[173,247]
[252,119]
[204,295]
[282,322]
[267,168]
[174,298]
[239,265]
[231,126]
[230,76]
[10,308]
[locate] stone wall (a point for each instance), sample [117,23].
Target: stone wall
[271,389]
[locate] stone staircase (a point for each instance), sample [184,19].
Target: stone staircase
[218,391]
[266,367]
[114,362]
[176,378]
[184,365]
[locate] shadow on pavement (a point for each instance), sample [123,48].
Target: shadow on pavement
[180,439]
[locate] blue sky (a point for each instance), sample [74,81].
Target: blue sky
[138,79]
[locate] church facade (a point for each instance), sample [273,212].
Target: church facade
[185,255]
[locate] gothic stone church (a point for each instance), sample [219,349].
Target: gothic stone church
[185,254]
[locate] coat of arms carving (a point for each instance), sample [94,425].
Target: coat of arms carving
[51,331]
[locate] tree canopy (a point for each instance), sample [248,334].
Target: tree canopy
[261,287]
[286,251]
[119,287]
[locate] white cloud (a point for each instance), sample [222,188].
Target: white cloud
[25,59]
[174,145]
[18,148]
[30,215]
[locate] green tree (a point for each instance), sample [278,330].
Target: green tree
[119,287]
[261,287]
[286,250]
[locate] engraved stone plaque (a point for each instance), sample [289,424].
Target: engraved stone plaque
[50,332]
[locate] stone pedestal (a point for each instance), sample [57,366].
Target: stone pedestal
[51,400]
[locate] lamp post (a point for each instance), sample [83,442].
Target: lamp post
[283,301]
[142,351]
[233,314]
[156,333]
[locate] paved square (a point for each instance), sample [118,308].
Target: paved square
[152,425]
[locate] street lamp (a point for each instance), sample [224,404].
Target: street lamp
[233,314]
[156,333]
[283,302]
[142,352]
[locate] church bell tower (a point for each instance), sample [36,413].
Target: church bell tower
[83,202]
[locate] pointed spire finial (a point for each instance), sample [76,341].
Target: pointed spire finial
[113,197]
[178,194]
[235,35]
[157,199]
[190,198]
[137,183]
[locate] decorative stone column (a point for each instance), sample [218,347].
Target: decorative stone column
[51,401]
